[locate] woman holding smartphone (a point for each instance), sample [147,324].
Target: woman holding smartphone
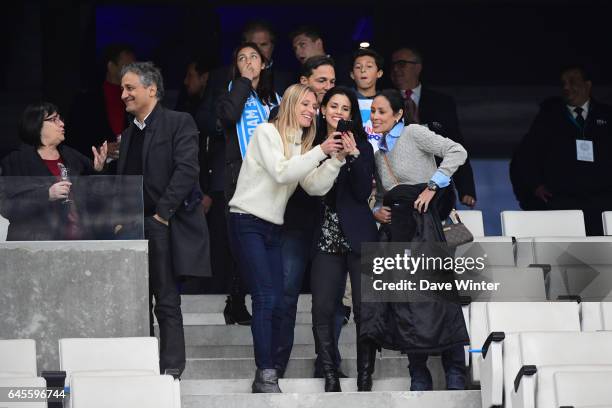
[345,222]
[279,156]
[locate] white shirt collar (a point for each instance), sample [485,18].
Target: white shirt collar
[416,94]
[585,109]
[142,125]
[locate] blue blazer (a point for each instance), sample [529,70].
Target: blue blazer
[353,188]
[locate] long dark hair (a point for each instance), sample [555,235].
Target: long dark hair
[357,129]
[32,120]
[265,87]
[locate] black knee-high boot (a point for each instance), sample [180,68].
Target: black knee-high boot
[366,360]
[325,348]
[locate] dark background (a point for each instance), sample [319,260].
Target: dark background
[498,58]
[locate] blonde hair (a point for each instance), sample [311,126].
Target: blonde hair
[287,122]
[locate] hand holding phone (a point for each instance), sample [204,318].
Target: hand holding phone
[344,126]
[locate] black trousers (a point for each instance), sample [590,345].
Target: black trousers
[221,261]
[327,277]
[164,288]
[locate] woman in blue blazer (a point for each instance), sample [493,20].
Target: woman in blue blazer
[345,222]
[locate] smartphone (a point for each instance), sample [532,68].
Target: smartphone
[344,126]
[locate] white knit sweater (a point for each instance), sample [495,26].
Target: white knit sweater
[267,178]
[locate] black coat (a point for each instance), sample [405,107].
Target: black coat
[229,111]
[432,324]
[352,190]
[439,112]
[170,174]
[547,156]
[216,128]
[25,201]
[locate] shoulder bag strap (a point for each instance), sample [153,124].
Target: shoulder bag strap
[389,168]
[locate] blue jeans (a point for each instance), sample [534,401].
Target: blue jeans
[295,248]
[453,361]
[259,255]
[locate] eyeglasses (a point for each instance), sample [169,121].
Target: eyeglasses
[55,119]
[403,63]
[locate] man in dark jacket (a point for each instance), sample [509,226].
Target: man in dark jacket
[98,114]
[564,160]
[162,146]
[435,110]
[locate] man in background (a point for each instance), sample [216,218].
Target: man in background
[563,161]
[98,114]
[433,109]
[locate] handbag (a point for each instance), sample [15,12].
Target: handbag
[455,232]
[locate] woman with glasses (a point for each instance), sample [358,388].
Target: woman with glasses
[40,209]
[412,188]
[246,103]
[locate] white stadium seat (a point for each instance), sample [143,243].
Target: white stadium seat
[488,317]
[562,223]
[18,358]
[20,383]
[472,219]
[583,388]
[549,353]
[578,265]
[4,224]
[133,354]
[596,316]
[110,357]
[125,392]
[510,318]
[606,219]
[18,370]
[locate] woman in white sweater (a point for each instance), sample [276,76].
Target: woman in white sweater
[279,156]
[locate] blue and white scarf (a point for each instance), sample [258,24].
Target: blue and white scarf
[253,114]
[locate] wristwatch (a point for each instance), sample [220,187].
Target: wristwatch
[432,186]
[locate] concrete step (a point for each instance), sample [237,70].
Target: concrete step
[387,399]
[299,350]
[216,303]
[244,368]
[287,385]
[202,319]
[234,335]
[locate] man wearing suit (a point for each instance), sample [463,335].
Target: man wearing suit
[433,109]
[162,146]
[564,160]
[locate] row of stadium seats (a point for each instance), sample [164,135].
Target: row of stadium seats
[534,354]
[521,224]
[539,353]
[95,373]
